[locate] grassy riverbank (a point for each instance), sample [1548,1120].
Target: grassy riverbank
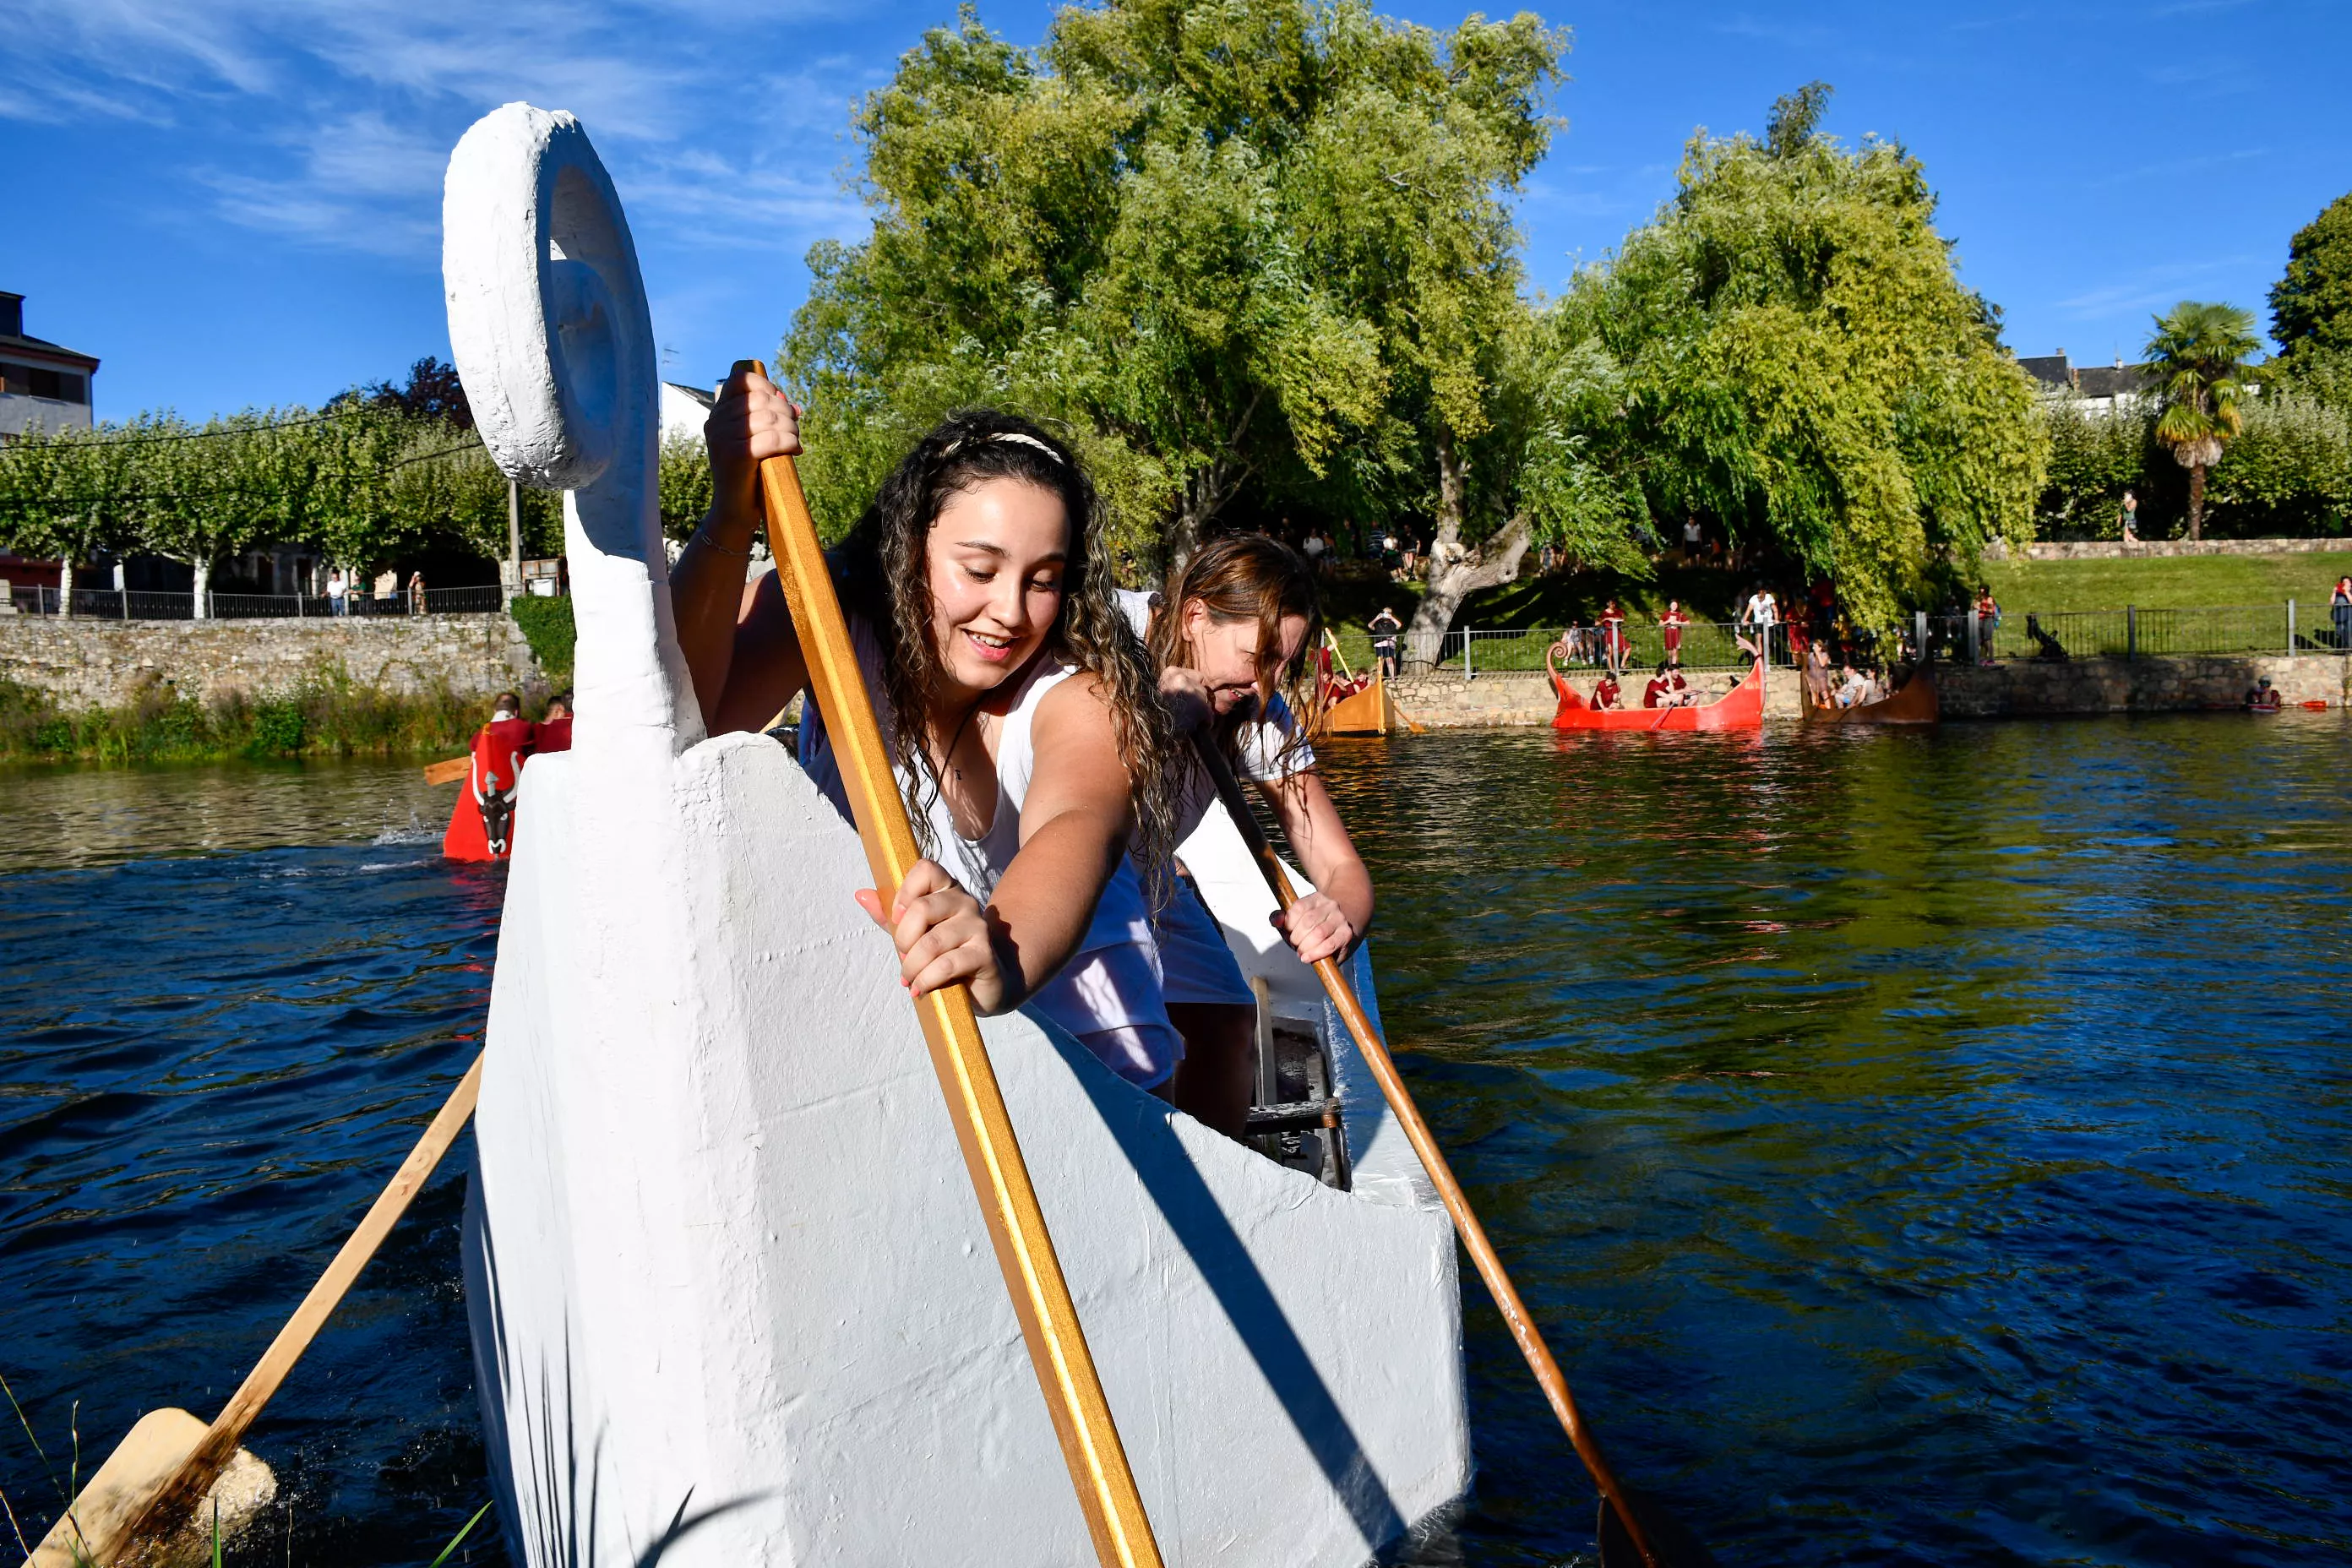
[328,716]
[2167,582]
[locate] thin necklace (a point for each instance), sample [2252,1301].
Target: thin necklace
[947,757]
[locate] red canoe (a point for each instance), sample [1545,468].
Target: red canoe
[1741,708]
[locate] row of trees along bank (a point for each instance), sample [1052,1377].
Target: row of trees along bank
[376,475]
[1257,260]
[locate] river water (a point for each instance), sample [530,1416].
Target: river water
[1919,1148]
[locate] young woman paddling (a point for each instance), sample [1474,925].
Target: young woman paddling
[1019,708]
[1228,635]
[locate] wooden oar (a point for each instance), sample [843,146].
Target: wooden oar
[149,1489]
[447,772]
[1342,993]
[1024,1251]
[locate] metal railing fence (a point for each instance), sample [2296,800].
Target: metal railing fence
[2134,633]
[117,604]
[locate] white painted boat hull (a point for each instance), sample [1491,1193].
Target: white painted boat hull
[733,1299]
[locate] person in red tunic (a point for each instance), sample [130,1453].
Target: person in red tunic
[481,827]
[1604,695]
[1612,639]
[1670,626]
[553,734]
[1659,693]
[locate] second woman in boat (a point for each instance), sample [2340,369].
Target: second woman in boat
[1228,635]
[1019,708]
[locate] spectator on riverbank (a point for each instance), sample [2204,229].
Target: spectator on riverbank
[1612,638]
[1690,541]
[338,590]
[1757,619]
[1670,628]
[553,734]
[417,592]
[1385,628]
[2131,517]
[1817,675]
[2339,610]
[1313,547]
[1987,623]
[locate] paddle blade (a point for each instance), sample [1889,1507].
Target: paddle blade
[1676,1547]
[448,771]
[134,1473]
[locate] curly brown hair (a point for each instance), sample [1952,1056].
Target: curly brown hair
[1248,577]
[885,576]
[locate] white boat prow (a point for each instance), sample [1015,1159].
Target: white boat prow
[733,1299]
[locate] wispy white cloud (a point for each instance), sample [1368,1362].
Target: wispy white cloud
[331,123]
[2150,289]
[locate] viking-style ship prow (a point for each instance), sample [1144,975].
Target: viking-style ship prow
[733,1299]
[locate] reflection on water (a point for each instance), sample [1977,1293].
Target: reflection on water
[52,816]
[1921,1149]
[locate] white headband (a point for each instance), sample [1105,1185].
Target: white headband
[1009,435]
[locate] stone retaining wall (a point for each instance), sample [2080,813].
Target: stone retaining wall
[89,663]
[2025,688]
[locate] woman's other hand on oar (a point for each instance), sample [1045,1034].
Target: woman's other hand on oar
[1315,927]
[944,938]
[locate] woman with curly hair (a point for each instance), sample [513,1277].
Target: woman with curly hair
[1229,635]
[1020,710]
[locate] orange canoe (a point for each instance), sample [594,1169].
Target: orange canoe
[1741,708]
[1371,712]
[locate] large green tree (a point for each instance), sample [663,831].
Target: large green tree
[1788,352]
[1225,243]
[2198,354]
[2311,306]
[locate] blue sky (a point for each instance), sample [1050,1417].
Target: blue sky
[235,202]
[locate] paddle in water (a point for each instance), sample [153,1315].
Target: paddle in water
[1626,1517]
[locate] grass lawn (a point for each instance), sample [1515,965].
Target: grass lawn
[2047,588]
[2180,582]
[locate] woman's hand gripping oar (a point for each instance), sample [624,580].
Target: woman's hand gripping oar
[1376,1056]
[1041,1297]
[137,1508]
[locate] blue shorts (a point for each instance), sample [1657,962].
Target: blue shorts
[1195,963]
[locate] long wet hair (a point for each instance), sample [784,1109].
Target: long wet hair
[886,578]
[1249,577]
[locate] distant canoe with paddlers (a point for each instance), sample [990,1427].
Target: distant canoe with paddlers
[1913,702]
[1741,708]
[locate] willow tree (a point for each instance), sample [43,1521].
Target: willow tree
[1222,242]
[1786,350]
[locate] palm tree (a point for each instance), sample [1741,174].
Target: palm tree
[2199,354]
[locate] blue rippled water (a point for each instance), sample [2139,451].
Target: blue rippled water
[1921,1149]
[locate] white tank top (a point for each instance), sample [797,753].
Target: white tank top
[1108,993]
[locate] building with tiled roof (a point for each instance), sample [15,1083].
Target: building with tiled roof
[2101,388]
[43,385]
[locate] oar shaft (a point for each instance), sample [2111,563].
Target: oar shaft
[1375,1053]
[1008,1201]
[203,1464]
